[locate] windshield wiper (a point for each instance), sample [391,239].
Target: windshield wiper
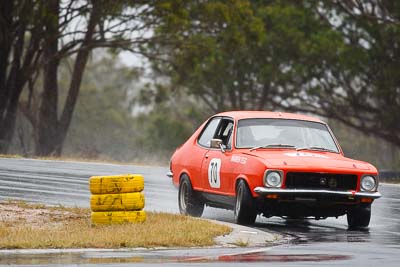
[273,146]
[317,149]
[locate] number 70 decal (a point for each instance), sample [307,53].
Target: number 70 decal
[214,169]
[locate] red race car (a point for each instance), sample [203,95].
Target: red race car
[274,164]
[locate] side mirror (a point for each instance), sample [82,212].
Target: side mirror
[217,143]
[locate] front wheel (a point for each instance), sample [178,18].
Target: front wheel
[359,217]
[245,210]
[189,202]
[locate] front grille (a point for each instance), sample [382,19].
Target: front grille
[328,181]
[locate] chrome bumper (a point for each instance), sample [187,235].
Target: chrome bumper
[296,192]
[170,174]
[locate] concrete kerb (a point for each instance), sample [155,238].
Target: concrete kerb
[243,236]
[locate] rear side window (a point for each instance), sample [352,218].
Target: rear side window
[208,132]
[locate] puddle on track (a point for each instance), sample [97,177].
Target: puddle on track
[109,258]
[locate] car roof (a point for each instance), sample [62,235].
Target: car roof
[239,115]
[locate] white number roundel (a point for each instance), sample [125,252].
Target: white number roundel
[214,169]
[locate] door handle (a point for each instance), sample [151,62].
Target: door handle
[206,156]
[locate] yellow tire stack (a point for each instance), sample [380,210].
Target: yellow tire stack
[117,199]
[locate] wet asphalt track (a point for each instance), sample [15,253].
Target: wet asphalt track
[305,243]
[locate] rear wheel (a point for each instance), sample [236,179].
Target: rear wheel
[359,217]
[245,210]
[189,201]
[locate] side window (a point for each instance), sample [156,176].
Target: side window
[208,132]
[224,132]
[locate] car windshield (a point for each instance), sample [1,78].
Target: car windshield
[285,134]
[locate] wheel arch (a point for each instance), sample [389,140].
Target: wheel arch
[238,179]
[248,182]
[182,174]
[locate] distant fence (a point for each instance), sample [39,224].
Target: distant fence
[389,176]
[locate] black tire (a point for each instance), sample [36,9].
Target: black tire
[245,210]
[189,202]
[359,217]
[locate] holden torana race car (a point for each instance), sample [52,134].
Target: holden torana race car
[274,164]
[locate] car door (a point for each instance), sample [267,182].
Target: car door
[216,171]
[197,153]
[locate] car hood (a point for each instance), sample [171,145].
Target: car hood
[310,159]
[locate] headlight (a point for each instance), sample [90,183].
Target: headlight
[273,178]
[368,183]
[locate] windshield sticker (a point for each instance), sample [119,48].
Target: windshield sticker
[303,154]
[214,170]
[239,159]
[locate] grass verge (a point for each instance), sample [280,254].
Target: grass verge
[11,156]
[25,225]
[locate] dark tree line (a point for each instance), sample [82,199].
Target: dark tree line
[337,59]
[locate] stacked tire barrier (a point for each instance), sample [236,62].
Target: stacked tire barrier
[117,199]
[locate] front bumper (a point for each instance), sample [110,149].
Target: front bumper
[315,193]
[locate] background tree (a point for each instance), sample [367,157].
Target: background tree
[103,125]
[112,121]
[40,34]
[19,57]
[360,85]
[337,59]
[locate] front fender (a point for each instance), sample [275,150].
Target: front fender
[251,170]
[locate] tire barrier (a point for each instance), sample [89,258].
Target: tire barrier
[117,199]
[117,217]
[116,184]
[117,202]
